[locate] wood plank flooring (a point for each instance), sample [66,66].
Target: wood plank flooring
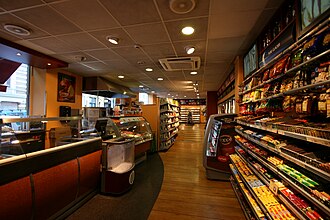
[186,192]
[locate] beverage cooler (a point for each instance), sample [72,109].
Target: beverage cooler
[117,175]
[219,143]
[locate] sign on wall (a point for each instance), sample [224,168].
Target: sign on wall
[66,88]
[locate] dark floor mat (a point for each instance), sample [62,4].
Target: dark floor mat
[135,204]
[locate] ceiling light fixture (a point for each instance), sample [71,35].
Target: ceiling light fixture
[141,86]
[121,77]
[188,30]
[124,93]
[149,69]
[152,91]
[160,79]
[169,94]
[193,73]
[185,96]
[113,40]
[190,49]
[18,54]
[17,30]
[49,64]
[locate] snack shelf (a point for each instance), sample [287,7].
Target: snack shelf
[244,206]
[289,49]
[286,201]
[304,137]
[287,180]
[290,92]
[254,196]
[259,175]
[240,187]
[300,163]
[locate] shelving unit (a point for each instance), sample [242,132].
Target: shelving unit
[293,183]
[169,123]
[196,115]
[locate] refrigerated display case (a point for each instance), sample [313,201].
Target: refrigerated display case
[218,145]
[117,165]
[137,128]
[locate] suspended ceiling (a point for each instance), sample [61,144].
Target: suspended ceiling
[75,31]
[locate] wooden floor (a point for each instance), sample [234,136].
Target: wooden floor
[186,193]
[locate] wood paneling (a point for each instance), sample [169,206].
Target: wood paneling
[186,192]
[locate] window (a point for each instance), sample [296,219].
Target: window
[14,102]
[144,98]
[92,101]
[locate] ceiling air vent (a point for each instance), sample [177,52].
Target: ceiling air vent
[180,63]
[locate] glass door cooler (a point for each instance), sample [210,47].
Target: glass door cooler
[219,143]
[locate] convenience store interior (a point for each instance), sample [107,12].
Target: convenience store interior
[134,118]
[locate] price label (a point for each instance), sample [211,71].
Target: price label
[318,141]
[273,187]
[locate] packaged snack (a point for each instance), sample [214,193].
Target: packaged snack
[265,75]
[296,58]
[283,86]
[322,104]
[296,80]
[287,104]
[299,101]
[307,105]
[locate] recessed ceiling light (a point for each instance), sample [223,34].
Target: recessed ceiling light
[185,96]
[193,73]
[49,64]
[149,69]
[197,94]
[19,54]
[160,79]
[169,94]
[124,93]
[15,29]
[141,86]
[152,91]
[187,30]
[113,40]
[190,49]
[121,77]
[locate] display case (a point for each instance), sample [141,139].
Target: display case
[137,128]
[218,145]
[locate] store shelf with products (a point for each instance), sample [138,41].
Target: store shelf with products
[311,164]
[169,122]
[242,200]
[196,114]
[290,174]
[266,200]
[249,206]
[297,205]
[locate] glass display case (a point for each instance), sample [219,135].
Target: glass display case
[134,127]
[218,145]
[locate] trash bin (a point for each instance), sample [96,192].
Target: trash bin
[117,165]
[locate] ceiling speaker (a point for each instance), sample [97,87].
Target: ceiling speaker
[182,6]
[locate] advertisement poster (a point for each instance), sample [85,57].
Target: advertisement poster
[66,88]
[311,9]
